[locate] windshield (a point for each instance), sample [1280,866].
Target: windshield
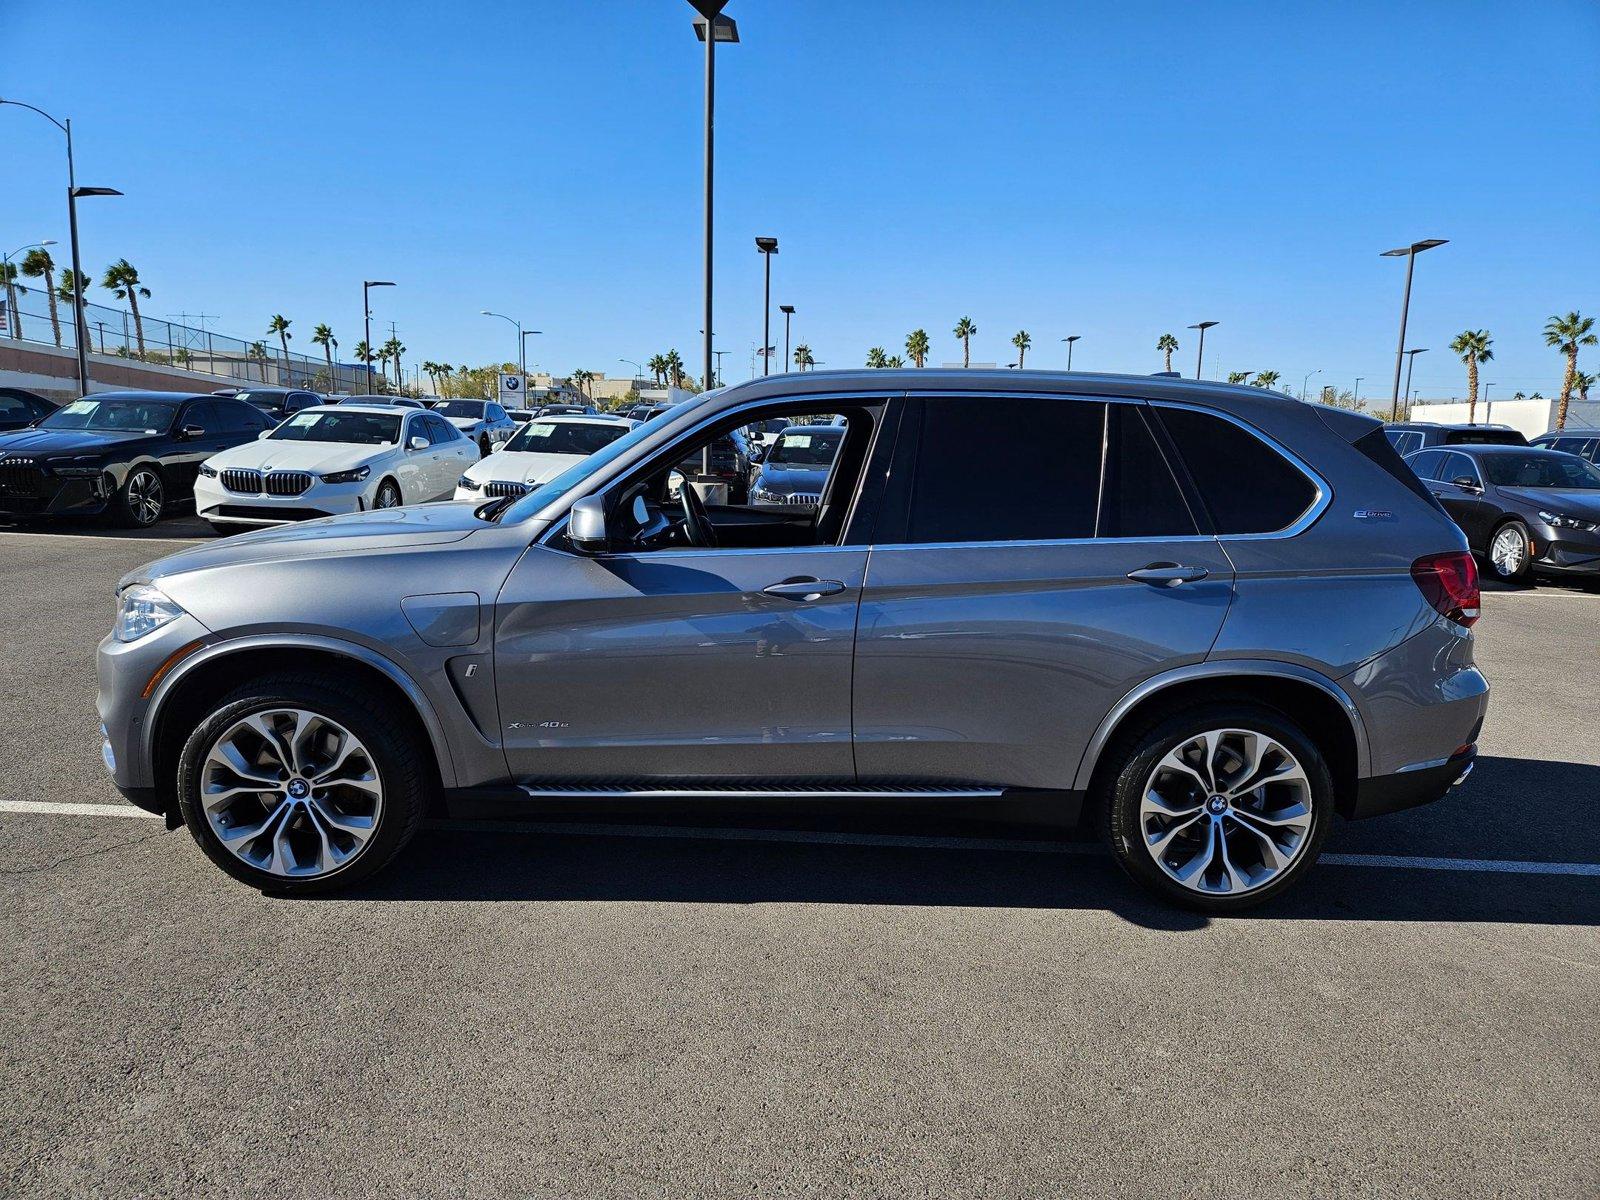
[564,437]
[128,416]
[1549,470]
[814,448]
[460,408]
[575,474]
[361,429]
[263,399]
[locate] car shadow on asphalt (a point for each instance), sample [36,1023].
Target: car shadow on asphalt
[457,862]
[182,525]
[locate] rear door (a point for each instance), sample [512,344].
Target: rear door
[1036,560]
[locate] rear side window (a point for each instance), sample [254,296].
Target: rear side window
[1247,485]
[1039,469]
[1404,441]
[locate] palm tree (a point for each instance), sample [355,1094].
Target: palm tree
[658,368]
[877,357]
[1238,376]
[581,379]
[280,326]
[392,349]
[122,280]
[1566,334]
[674,366]
[1473,347]
[8,276]
[1263,379]
[39,265]
[964,330]
[803,357]
[322,336]
[1021,341]
[917,346]
[1166,343]
[1581,383]
[258,350]
[896,361]
[72,288]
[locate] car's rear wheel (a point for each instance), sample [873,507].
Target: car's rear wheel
[142,498]
[299,784]
[484,448]
[1220,807]
[388,495]
[1510,554]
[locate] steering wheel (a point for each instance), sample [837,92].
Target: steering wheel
[696,525]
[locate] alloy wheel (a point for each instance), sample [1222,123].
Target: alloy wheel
[291,792]
[1508,551]
[145,496]
[1226,811]
[388,497]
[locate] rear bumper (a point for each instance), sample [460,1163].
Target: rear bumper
[1408,789]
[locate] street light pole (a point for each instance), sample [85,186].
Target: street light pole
[1200,354]
[766,247]
[366,313]
[1411,361]
[788,311]
[1306,381]
[1069,340]
[711,28]
[1356,399]
[1410,252]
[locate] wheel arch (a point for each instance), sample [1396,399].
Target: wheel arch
[1320,705]
[182,697]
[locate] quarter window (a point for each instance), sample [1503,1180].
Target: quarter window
[1248,486]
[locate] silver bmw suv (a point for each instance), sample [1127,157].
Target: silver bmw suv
[1207,619]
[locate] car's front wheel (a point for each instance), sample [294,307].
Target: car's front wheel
[388,495]
[300,784]
[1220,807]
[1511,552]
[142,498]
[484,448]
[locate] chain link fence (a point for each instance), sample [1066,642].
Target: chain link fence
[114,332]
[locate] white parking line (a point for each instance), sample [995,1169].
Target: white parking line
[907,841]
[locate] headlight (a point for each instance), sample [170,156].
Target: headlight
[353,476]
[208,472]
[145,609]
[472,485]
[75,468]
[1562,521]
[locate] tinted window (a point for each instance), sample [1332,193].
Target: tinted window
[1459,466]
[15,408]
[1006,470]
[807,447]
[1405,441]
[1139,497]
[443,432]
[233,417]
[132,415]
[564,437]
[1247,485]
[1484,437]
[470,409]
[204,414]
[1426,465]
[1541,471]
[496,413]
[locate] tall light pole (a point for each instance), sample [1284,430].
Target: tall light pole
[638,369]
[14,319]
[1356,397]
[1069,340]
[1411,361]
[366,312]
[766,247]
[1410,254]
[80,327]
[522,345]
[711,27]
[788,311]
[1307,380]
[1200,354]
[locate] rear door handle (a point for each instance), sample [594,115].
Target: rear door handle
[1166,574]
[804,589]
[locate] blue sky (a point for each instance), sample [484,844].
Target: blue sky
[1115,170]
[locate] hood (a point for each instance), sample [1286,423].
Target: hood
[1576,502]
[796,477]
[43,442]
[280,454]
[383,529]
[521,466]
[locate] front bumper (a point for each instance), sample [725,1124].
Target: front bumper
[49,495]
[124,671]
[1407,789]
[1567,551]
[215,503]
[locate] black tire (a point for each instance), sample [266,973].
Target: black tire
[132,506]
[1132,760]
[400,758]
[1524,569]
[484,448]
[388,488]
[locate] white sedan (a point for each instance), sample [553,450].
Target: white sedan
[329,460]
[483,421]
[539,450]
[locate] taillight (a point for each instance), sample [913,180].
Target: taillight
[1450,583]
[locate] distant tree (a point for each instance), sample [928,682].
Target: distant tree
[122,280]
[674,365]
[1021,341]
[1166,343]
[1473,345]
[280,326]
[39,265]
[917,346]
[72,288]
[258,351]
[896,361]
[1263,379]
[803,357]
[1566,334]
[8,276]
[658,368]
[322,336]
[965,330]
[877,357]
[1581,383]
[395,350]
[1238,376]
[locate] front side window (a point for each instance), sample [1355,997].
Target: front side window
[442,431]
[126,416]
[1458,467]
[362,429]
[1248,486]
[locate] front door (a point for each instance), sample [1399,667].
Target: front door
[1044,562]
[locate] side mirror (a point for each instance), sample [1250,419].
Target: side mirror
[758,454]
[265,433]
[191,432]
[586,526]
[418,442]
[1465,481]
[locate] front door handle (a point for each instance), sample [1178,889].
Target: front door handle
[804,589]
[1166,574]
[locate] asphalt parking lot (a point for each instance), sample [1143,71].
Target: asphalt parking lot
[797,1004]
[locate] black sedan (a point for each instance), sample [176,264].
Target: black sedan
[1523,509]
[20,408]
[279,403]
[129,454]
